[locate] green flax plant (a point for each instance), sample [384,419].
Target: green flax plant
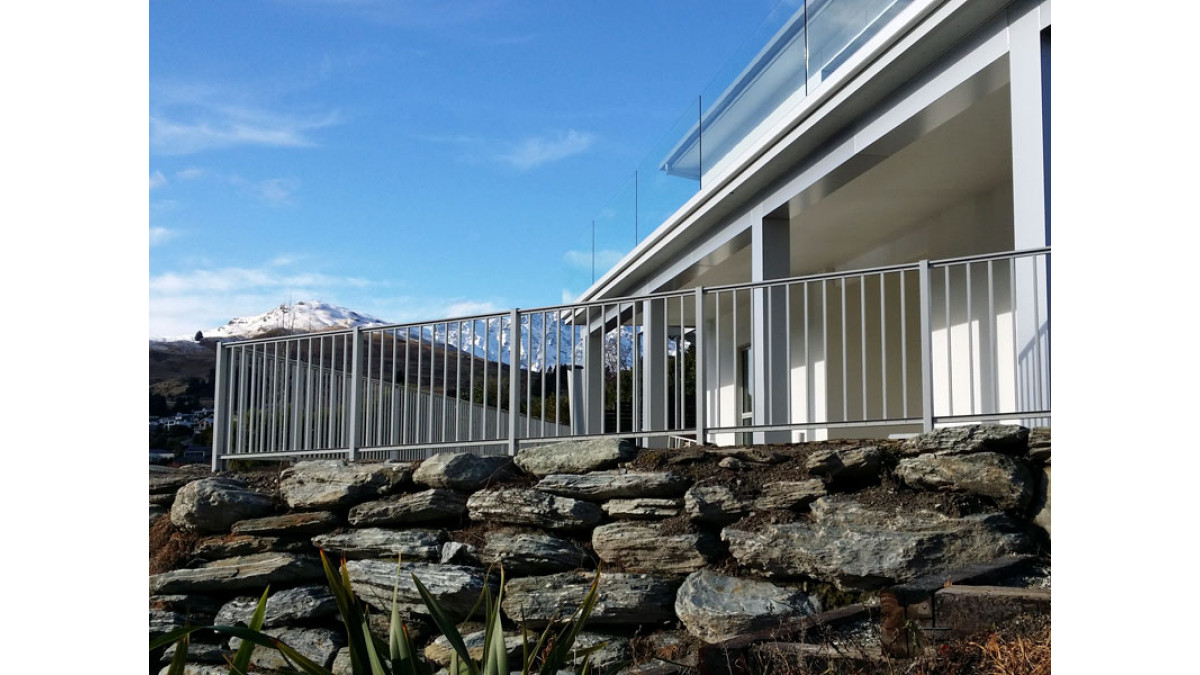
[370,655]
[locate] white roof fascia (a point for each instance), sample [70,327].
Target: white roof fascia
[780,129]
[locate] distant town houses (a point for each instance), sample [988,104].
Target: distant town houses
[197,420]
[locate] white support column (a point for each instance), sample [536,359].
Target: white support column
[654,377]
[770,259]
[593,378]
[1029,72]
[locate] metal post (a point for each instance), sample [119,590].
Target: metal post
[514,378]
[926,294]
[220,405]
[355,372]
[701,389]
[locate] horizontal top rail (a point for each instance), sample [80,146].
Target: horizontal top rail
[575,307]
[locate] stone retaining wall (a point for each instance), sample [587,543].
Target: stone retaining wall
[696,547]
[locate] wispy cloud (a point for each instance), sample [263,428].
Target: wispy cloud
[187,119]
[272,191]
[182,302]
[524,154]
[191,173]
[582,260]
[157,180]
[159,235]
[425,14]
[235,279]
[538,150]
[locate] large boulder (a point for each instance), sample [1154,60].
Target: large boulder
[462,471]
[638,547]
[524,554]
[1009,439]
[998,478]
[864,548]
[332,484]
[844,467]
[580,456]
[715,505]
[1041,506]
[716,608]
[428,506]
[455,587]
[601,485]
[522,506]
[215,504]
[319,645]
[374,542]
[624,599]
[234,574]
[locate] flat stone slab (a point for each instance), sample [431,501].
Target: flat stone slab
[534,508]
[624,599]
[235,545]
[440,652]
[290,525]
[1007,439]
[193,604]
[234,574]
[374,542]
[456,587]
[215,504]
[1004,481]
[861,548]
[526,554]
[291,605]
[961,610]
[639,547]
[319,645]
[1039,444]
[717,608]
[789,495]
[462,471]
[170,483]
[428,506]
[642,508]
[617,483]
[581,456]
[334,484]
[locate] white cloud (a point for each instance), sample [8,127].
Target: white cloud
[582,260]
[182,302]
[191,173]
[536,151]
[236,279]
[186,119]
[157,180]
[272,191]
[159,235]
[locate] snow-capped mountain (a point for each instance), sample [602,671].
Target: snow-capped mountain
[305,316]
[546,341]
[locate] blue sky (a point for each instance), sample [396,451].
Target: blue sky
[411,160]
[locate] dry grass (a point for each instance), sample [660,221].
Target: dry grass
[169,548]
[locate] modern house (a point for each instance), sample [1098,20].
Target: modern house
[863,251]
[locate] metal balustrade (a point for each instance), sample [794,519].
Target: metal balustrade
[871,352]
